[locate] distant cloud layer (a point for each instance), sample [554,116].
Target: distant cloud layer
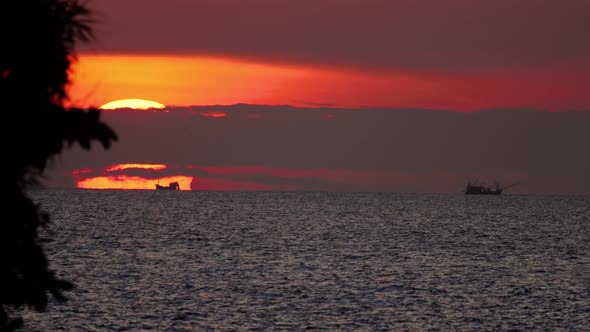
[333,149]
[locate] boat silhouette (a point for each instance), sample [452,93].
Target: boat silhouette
[473,188]
[171,186]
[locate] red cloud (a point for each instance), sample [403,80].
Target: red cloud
[214,114]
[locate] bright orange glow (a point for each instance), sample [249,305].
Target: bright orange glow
[175,80]
[133,182]
[138,104]
[204,80]
[118,167]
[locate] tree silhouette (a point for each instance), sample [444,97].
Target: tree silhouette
[37,39]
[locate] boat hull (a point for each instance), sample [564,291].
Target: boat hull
[172,186]
[482,190]
[492,192]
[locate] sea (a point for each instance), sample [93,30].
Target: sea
[146,260]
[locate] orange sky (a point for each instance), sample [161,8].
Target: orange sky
[175,80]
[199,80]
[381,56]
[132,182]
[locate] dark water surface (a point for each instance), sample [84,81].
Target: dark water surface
[193,261]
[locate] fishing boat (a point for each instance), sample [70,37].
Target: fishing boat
[472,188]
[171,186]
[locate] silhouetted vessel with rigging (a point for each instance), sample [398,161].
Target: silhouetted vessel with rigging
[472,188]
[171,186]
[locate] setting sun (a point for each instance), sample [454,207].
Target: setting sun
[140,104]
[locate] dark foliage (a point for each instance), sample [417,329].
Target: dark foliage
[37,39]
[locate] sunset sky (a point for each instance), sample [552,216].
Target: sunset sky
[356,95]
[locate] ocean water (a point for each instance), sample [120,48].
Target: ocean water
[219,261]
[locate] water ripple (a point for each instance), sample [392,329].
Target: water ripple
[186,261]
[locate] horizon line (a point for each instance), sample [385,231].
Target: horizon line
[361,108]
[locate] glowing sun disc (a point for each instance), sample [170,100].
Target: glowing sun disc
[139,104]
